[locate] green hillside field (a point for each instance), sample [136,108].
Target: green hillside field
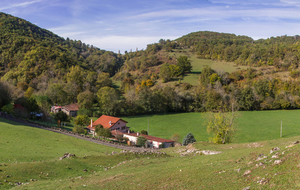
[234,168]
[252,125]
[19,143]
[199,64]
[31,157]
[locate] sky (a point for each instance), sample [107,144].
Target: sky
[125,25]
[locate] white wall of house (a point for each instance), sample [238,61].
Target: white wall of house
[155,144]
[130,138]
[120,126]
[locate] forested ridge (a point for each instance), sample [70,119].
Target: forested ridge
[39,69]
[28,52]
[283,51]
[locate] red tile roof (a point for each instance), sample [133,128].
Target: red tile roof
[115,132]
[148,137]
[72,107]
[105,120]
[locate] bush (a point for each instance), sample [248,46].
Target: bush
[61,116]
[144,132]
[78,129]
[162,145]
[104,132]
[175,137]
[8,108]
[189,138]
[141,141]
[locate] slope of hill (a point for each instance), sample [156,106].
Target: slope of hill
[29,52]
[259,165]
[281,52]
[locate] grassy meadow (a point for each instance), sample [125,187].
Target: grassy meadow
[199,64]
[193,171]
[252,125]
[29,153]
[19,143]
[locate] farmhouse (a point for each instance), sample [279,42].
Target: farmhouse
[152,142]
[55,109]
[71,109]
[109,122]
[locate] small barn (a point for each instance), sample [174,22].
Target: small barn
[71,109]
[152,142]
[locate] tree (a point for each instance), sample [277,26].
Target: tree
[165,73]
[100,131]
[61,116]
[189,138]
[28,92]
[98,128]
[82,120]
[103,80]
[6,93]
[205,75]
[222,126]
[213,78]
[141,141]
[107,97]
[184,63]
[76,75]
[85,99]
[8,108]
[56,93]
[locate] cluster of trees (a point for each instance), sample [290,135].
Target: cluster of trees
[282,52]
[42,69]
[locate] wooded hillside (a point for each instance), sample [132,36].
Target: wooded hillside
[39,69]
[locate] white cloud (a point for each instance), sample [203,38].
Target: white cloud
[23,4]
[122,43]
[291,2]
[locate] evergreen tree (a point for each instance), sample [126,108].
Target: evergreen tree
[189,138]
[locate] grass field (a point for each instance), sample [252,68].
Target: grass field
[19,143]
[252,125]
[221,171]
[199,64]
[30,153]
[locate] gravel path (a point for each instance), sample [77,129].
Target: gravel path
[79,136]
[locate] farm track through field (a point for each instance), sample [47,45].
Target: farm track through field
[123,147]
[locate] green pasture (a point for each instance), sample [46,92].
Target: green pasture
[252,125]
[30,153]
[19,143]
[193,171]
[199,64]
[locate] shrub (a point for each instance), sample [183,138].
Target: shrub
[141,141]
[162,145]
[78,129]
[144,132]
[104,132]
[189,138]
[175,137]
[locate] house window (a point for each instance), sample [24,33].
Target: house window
[123,127]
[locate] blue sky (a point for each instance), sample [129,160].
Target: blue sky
[123,25]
